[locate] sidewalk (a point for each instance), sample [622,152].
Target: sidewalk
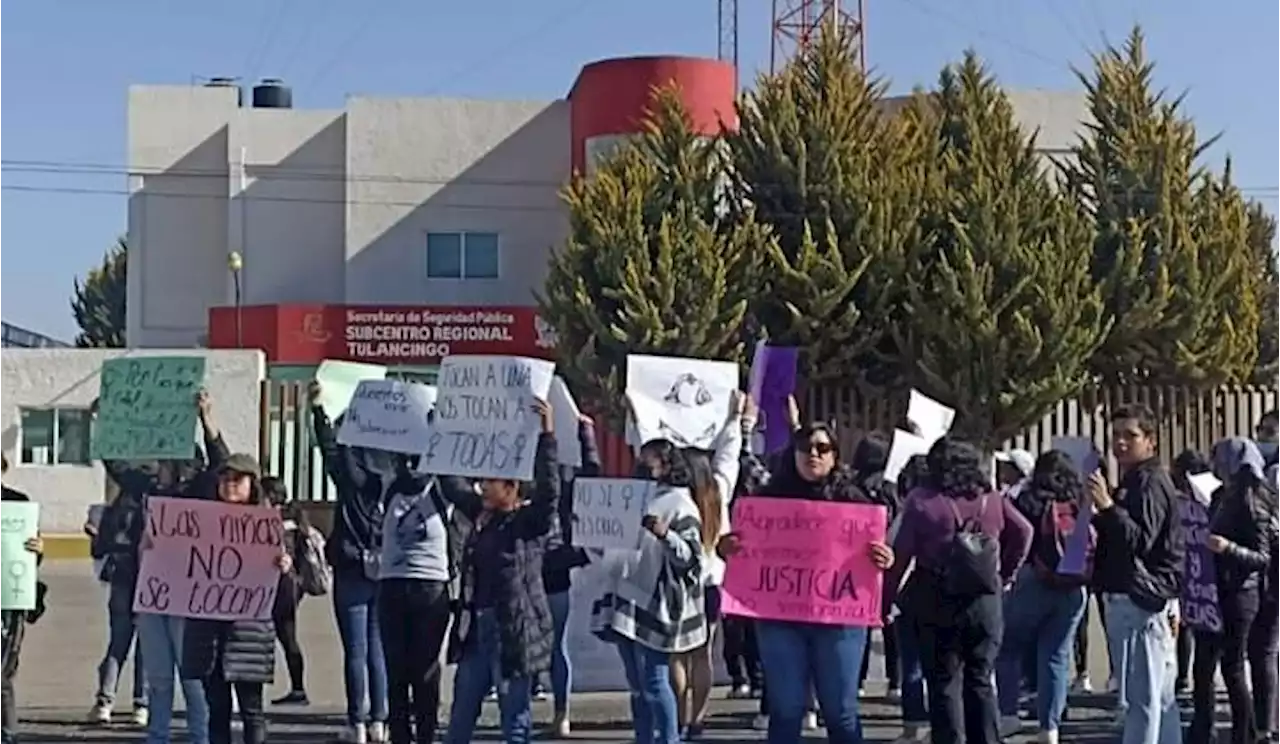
[57,677]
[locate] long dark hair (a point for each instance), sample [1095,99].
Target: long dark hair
[1054,478]
[954,468]
[707,496]
[675,463]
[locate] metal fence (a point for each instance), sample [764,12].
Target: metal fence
[1188,418]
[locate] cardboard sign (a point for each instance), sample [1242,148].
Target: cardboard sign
[388,415]
[607,511]
[209,559]
[806,561]
[147,408]
[1200,583]
[19,523]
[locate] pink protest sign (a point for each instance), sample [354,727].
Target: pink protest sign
[805,561]
[209,560]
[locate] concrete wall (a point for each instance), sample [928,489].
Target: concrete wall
[331,206]
[68,378]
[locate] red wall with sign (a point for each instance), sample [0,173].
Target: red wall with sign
[380,334]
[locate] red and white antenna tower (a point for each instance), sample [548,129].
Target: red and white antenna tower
[796,24]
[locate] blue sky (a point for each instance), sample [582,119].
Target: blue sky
[67,65]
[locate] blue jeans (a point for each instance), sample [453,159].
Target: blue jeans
[828,657]
[1040,620]
[561,666]
[1144,652]
[364,666]
[479,671]
[121,625]
[160,639]
[653,702]
[915,707]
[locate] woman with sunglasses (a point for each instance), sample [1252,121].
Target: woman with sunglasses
[797,655]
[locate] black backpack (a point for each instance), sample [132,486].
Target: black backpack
[971,563]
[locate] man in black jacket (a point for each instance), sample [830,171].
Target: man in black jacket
[1138,570]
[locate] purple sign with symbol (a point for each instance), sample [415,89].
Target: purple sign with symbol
[773,380]
[1200,583]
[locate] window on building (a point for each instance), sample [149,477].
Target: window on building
[464,255]
[54,436]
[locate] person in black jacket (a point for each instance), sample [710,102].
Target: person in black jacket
[1138,570]
[868,463]
[234,654]
[502,634]
[361,477]
[560,560]
[1240,526]
[1265,634]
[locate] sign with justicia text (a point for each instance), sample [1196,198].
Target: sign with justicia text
[485,425]
[209,559]
[805,561]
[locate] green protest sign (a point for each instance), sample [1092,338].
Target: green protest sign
[147,408]
[19,522]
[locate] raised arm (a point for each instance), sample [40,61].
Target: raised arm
[339,463]
[538,518]
[591,464]
[215,448]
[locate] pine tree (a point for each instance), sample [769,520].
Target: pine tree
[1170,250]
[653,263]
[99,303]
[1004,318]
[839,181]
[1262,238]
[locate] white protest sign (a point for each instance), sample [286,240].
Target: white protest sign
[388,415]
[931,417]
[682,400]
[1203,485]
[484,424]
[607,511]
[905,446]
[339,380]
[565,410]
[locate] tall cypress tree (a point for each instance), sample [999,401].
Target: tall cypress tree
[839,181]
[98,303]
[1004,317]
[653,263]
[1262,238]
[1171,245]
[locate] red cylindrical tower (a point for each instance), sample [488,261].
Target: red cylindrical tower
[611,97]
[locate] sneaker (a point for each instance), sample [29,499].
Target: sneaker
[1010,725]
[140,717]
[357,734]
[539,693]
[913,733]
[378,733]
[100,714]
[491,696]
[760,722]
[862,692]
[1047,737]
[560,727]
[811,721]
[740,692]
[1082,684]
[893,695]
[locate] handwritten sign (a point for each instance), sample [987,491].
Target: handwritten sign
[485,425]
[339,381]
[388,415]
[210,560]
[147,408]
[806,561]
[19,522]
[607,511]
[1200,586]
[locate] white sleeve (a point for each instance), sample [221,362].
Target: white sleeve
[726,459]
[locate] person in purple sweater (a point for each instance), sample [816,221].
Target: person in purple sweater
[959,634]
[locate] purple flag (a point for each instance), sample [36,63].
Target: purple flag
[773,380]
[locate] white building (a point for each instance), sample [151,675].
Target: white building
[44,416]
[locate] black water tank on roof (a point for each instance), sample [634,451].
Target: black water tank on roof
[227,82]
[272,93]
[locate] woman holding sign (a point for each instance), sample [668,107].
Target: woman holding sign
[797,655]
[502,634]
[1241,527]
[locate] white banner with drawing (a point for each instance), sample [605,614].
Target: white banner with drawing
[682,400]
[388,415]
[607,512]
[484,424]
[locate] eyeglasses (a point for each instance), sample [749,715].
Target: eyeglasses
[815,448]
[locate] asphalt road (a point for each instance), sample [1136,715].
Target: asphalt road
[57,677]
